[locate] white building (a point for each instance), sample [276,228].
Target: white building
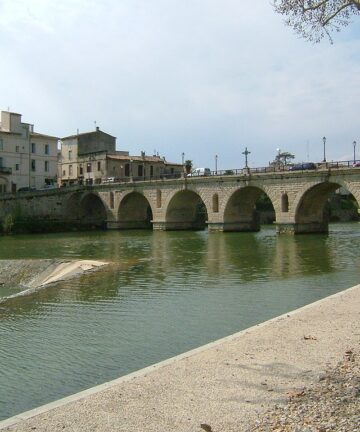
[27,159]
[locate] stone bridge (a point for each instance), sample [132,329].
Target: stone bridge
[222,203]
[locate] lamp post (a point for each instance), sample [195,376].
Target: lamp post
[246,153]
[324,141]
[354,144]
[182,157]
[216,159]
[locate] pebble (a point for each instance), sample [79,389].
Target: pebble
[330,403]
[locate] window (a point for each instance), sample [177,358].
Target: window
[46,166]
[46,149]
[127,170]
[99,166]
[17,167]
[151,170]
[81,170]
[88,167]
[33,147]
[140,170]
[64,173]
[1,162]
[70,170]
[70,154]
[33,165]
[17,149]
[1,144]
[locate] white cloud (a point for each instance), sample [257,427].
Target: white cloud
[197,76]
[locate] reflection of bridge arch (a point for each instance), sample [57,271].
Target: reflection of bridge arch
[186,211]
[240,211]
[88,209]
[310,214]
[134,212]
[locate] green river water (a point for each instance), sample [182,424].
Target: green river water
[164,293]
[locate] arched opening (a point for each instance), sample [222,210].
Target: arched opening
[215,203]
[186,211]
[342,206]
[92,212]
[247,208]
[135,212]
[284,203]
[3,185]
[321,204]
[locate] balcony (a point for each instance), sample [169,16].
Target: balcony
[5,170]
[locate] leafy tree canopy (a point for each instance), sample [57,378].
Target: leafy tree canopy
[282,158]
[314,19]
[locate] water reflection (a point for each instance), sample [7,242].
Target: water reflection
[163,293]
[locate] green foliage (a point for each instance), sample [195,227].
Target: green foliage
[282,159]
[229,172]
[264,203]
[8,224]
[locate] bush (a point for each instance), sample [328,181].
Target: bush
[8,224]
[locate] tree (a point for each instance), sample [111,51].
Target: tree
[282,159]
[313,19]
[188,166]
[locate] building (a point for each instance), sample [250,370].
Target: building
[91,157]
[27,159]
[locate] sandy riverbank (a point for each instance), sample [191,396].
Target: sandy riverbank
[226,384]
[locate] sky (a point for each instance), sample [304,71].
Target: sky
[199,77]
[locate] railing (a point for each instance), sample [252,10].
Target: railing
[220,173]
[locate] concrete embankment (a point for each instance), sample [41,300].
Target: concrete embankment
[224,385]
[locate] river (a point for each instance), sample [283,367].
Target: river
[164,293]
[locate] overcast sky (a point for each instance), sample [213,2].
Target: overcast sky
[203,77]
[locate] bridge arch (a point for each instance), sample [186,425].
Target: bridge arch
[186,210]
[88,209]
[311,214]
[240,212]
[134,212]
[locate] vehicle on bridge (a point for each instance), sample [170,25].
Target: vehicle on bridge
[200,172]
[303,166]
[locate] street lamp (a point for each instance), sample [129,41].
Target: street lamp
[216,159]
[278,157]
[182,157]
[354,144]
[324,141]
[246,153]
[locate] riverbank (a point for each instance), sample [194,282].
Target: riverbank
[226,385]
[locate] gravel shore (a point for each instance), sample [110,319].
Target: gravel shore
[332,403]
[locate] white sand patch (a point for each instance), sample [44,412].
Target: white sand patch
[68,270]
